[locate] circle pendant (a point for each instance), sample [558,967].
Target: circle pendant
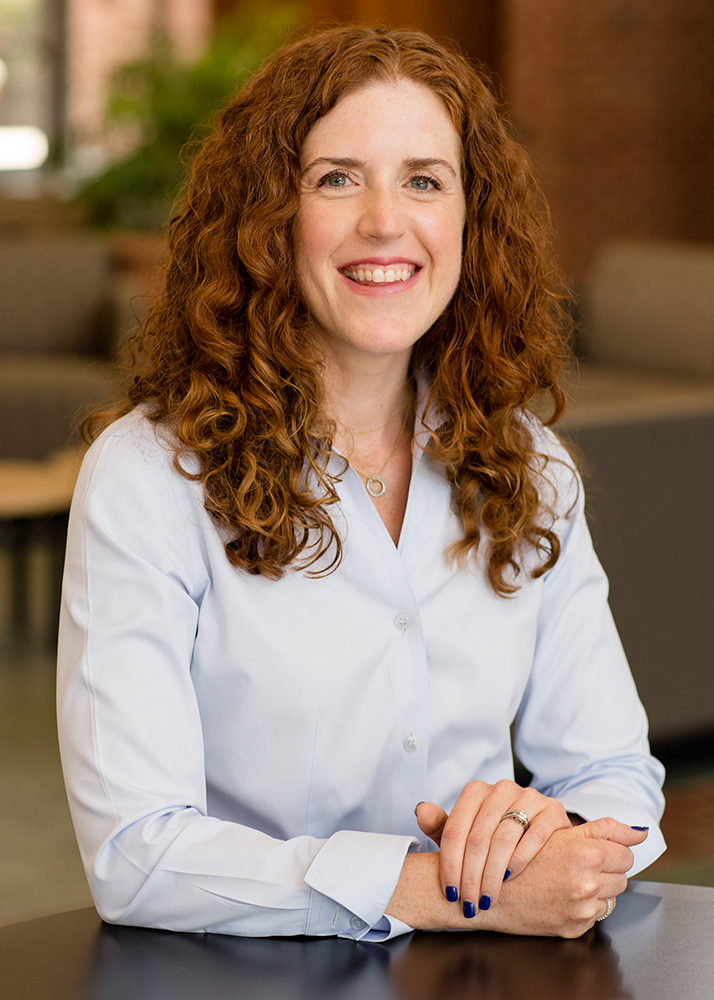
[376,486]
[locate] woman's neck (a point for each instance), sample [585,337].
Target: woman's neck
[372,409]
[367,402]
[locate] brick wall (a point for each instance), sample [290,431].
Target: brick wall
[615,101]
[103,34]
[471,22]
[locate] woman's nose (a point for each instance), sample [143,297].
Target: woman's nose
[382,217]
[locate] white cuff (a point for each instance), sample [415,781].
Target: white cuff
[357,872]
[395,928]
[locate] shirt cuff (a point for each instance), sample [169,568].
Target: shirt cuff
[387,928]
[596,806]
[353,877]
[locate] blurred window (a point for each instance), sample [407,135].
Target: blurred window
[31,90]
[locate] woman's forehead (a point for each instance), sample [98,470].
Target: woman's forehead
[385,114]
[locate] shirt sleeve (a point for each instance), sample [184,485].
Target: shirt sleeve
[131,734]
[581,728]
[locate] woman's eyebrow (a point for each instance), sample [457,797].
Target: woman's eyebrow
[334,161]
[424,162]
[413,163]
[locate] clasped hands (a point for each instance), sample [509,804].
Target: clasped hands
[550,879]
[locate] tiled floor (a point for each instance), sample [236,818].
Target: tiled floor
[40,870]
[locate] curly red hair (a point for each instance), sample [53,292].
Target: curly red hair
[226,359]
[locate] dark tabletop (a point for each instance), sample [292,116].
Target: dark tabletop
[657,945]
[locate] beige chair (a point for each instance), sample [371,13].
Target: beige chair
[57,332]
[652,305]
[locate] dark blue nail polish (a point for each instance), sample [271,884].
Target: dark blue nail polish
[485,902]
[469,909]
[417,805]
[507,875]
[640,828]
[452,893]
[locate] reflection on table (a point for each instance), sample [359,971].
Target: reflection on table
[657,944]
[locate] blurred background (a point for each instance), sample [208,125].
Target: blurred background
[614,102]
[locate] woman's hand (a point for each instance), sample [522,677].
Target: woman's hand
[565,888]
[480,849]
[561,893]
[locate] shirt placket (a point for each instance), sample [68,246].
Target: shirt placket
[407,670]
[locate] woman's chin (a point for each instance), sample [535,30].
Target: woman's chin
[378,347]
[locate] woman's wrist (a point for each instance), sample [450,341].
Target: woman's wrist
[419,901]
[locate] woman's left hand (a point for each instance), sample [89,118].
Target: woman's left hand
[478,846]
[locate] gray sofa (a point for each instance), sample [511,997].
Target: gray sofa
[647,447]
[642,415]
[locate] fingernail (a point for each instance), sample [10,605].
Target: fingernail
[452,893]
[485,902]
[640,828]
[469,909]
[507,875]
[418,804]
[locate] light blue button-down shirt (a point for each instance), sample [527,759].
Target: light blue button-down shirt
[244,755]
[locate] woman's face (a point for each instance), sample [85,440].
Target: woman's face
[379,228]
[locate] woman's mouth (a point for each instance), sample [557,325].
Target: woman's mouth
[379,275]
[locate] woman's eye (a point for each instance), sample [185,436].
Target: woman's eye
[334,181]
[424,183]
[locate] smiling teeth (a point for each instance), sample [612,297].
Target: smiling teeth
[378,275]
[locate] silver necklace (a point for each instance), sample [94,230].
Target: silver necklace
[376,484]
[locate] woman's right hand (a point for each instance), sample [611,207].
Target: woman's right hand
[561,893]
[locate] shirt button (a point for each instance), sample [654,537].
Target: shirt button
[402,621]
[410,742]
[357,924]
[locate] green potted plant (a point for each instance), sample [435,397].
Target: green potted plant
[169,105]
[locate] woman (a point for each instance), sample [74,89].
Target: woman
[324,558]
